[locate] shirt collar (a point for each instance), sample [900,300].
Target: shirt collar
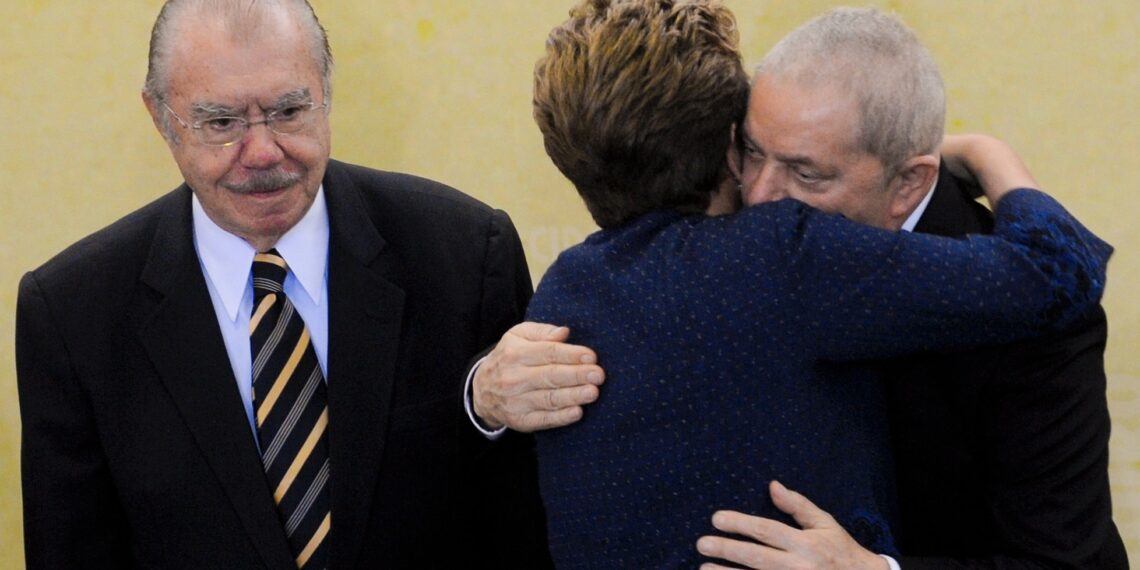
[912,220]
[227,258]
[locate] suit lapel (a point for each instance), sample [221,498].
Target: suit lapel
[184,344]
[365,313]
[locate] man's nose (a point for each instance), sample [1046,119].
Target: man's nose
[260,148]
[765,186]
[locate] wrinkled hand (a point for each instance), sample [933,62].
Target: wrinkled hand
[822,544]
[533,380]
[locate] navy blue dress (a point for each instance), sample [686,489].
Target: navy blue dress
[732,347]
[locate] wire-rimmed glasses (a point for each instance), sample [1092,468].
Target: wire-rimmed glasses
[227,130]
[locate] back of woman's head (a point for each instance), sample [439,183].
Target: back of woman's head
[636,100]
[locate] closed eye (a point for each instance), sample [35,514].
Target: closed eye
[808,176]
[751,151]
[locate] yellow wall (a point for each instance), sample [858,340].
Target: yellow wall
[442,89]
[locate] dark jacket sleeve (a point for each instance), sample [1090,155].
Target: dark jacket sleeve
[72,515]
[1042,435]
[504,476]
[506,289]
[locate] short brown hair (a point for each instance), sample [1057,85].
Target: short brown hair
[636,100]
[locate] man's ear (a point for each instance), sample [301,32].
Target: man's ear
[155,111]
[910,185]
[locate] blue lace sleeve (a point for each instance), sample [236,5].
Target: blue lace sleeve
[1072,257]
[868,293]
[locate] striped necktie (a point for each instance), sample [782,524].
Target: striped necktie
[289,400]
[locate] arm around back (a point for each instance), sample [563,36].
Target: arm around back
[872,293]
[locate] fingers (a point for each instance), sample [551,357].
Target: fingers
[747,554]
[558,399]
[821,544]
[512,378]
[805,513]
[547,409]
[533,356]
[535,421]
[540,331]
[766,531]
[541,343]
[533,380]
[530,352]
[555,376]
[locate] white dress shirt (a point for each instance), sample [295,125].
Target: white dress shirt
[912,219]
[226,262]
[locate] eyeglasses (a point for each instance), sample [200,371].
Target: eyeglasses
[225,131]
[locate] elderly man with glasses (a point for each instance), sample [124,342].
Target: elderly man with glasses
[260,369]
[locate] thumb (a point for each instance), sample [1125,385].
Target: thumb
[805,513]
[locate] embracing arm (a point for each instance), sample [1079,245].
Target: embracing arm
[72,515]
[872,293]
[531,379]
[822,544]
[986,162]
[759,542]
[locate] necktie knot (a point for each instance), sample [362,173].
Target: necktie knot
[269,271]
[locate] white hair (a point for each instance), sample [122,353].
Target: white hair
[874,57]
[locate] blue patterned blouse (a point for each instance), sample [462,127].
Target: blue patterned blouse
[732,350]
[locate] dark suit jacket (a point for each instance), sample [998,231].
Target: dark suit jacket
[1002,454]
[137,451]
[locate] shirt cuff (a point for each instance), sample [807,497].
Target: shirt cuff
[470,408]
[891,562]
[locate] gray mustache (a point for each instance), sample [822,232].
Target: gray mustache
[264,181]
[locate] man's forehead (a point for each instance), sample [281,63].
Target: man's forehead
[218,41]
[210,67]
[800,122]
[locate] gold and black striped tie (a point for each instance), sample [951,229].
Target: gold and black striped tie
[290,402]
